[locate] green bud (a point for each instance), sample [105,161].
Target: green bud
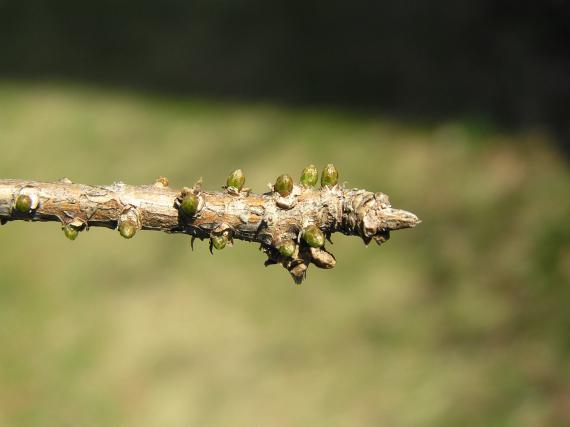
[236,180]
[314,236]
[189,204]
[23,203]
[329,176]
[70,232]
[219,242]
[127,229]
[310,176]
[287,248]
[284,185]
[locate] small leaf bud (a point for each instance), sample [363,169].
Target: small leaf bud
[189,204]
[329,176]
[70,232]
[23,203]
[314,236]
[284,185]
[236,180]
[219,242]
[127,229]
[287,248]
[309,176]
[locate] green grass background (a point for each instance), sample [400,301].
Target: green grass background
[463,321]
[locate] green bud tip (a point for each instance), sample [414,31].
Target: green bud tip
[287,248]
[309,176]
[219,242]
[70,232]
[23,203]
[314,236]
[127,229]
[329,176]
[189,204]
[236,180]
[284,185]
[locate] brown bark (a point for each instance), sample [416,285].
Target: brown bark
[269,219]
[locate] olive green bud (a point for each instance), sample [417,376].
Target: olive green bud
[287,248]
[236,180]
[310,176]
[23,203]
[219,242]
[127,229]
[70,232]
[329,176]
[314,236]
[284,185]
[189,204]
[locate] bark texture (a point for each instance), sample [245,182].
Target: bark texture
[280,224]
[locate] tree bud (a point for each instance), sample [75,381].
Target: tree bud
[127,229]
[219,242]
[309,176]
[287,248]
[284,185]
[23,203]
[236,180]
[314,236]
[189,204]
[70,232]
[329,177]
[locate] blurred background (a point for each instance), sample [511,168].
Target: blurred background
[457,110]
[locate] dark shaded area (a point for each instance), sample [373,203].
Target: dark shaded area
[504,61]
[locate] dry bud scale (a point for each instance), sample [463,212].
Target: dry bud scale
[290,225]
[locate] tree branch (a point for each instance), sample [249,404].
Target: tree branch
[290,222]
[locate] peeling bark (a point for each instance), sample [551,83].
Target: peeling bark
[269,219]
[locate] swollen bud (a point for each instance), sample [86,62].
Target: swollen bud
[287,248]
[219,242]
[329,177]
[70,232]
[189,204]
[309,176]
[23,203]
[127,229]
[236,180]
[284,185]
[314,236]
